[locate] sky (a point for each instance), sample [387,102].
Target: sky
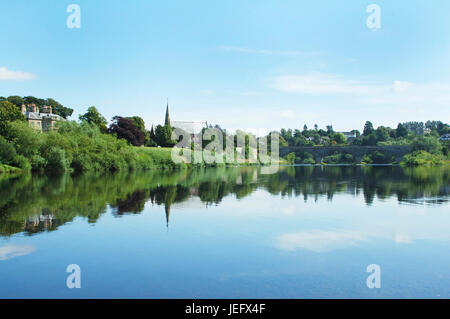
[252,65]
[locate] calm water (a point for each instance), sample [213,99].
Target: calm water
[305,232]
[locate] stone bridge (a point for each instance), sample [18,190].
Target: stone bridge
[356,151]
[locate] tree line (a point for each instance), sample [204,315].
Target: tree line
[382,135]
[20,146]
[424,137]
[57,108]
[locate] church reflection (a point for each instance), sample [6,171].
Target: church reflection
[34,204]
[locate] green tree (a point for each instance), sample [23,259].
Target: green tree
[9,113]
[356,132]
[93,116]
[58,108]
[438,126]
[34,100]
[401,130]
[429,144]
[330,130]
[382,134]
[138,122]
[368,128]
[163,136]
[152,133]
[290,158]
[415,127]
[26,140]
[339,138]
[369,140]
[7,151]
[16,100]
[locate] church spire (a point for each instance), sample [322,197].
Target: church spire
[167,210]
[167,120]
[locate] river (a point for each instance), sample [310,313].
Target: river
[303,232]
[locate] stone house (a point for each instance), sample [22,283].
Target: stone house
[40,119]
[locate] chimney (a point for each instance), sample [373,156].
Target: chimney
[47,109]
[24,108]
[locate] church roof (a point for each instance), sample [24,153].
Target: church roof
[192,127]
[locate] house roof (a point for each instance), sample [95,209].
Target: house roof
[41,116]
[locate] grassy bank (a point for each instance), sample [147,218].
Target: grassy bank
[76,147]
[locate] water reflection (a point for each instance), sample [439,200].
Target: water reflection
[33,204]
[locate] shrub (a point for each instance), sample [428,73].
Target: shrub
[7,151]
[304,158]
[423,158]
[22,162]
[56,160]
[8,113]
[290,158]
[38,163]
[428,144]
[338,158]
[82,162]
[26,140]
[381,158]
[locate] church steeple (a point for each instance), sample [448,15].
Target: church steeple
[167,120]
[167,210]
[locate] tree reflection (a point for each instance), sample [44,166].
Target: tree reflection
[33,204]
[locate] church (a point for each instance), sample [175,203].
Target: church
[194,128]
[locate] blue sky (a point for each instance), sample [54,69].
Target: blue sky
[241,64]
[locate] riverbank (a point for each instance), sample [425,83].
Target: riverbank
[138,158]
[7,169]
[81,147]
[160,158]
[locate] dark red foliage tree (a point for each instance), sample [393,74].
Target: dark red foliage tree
[124,128]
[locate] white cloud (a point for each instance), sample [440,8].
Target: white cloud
[8,75]
[395,95]
[321,83]
[318,240]
[11,251]
[206,92]
[401,86]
